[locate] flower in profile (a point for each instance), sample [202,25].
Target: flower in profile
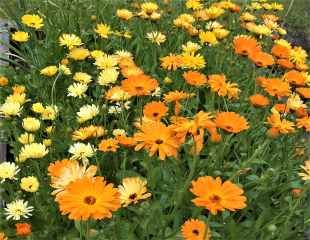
[49,113]
[194,229]
[18,209]
[258,100]
[103,30]
[20,36]
[195,78]
[216,196]
[156,37]
[171,62]
[155,110]
[77,90]
[194,4]
[70,40]
[306,174]
[231,122]
[298,55]
[275,87]
[108,145]
[88,132]
[49,71]
[140,85]
[2,236]
[29,184]
[116,94]
[124,14]
[82,77]
[208,37]
[303,122]
[26,138]
[10,109]
[33,21]
[87,112]
[78,53]
[294,102]
[190,47]
[65,171]
[279,125]
[108,76]
[261,59]
[3,81]
[218,84]
[81,151]
[8,170]
[32,150]
[89,198]
[155,137]
[295,77]
[31,124]
[132,190]
[23,229]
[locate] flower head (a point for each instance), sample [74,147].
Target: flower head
[231,122]
[18,209]
[20,36]
[33,21]
[29,184]
[194,229]
[23,229]
[87,112]
[306,174]
[70,40]
[8,170]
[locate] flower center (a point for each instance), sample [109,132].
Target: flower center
[159,141]
[155,114]
[133,196]
[139,88]
[90,200]
[215,199]
[195,232]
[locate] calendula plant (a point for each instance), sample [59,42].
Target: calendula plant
[153,120]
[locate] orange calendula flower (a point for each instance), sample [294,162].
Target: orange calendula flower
[285,63]
[194,229]
[261,59]
[23,229]
[155,110]
[171,62]
[258,100]
[139,85]
[218,84]
[216,196]
[303,92]
[295,77]
[246,45]
[231,122]
[2,236]
[304,123]
[195,78]
[89,198]
[156,137]
[280,51]
[108,145]
[278,125]
[176,97]
[126,141]
[275,87]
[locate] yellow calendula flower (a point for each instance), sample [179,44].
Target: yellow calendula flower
[190,47]
[49,71]
[194,4]
[77,90]
[106,62]
[247,17]
[103,30]
[221,33]
[156,37]
[298,55]
[47,142]
[49,113]
[33,21]
[192,61]
[8,170]
[29,184]
[31,124]
[17,98]
[49,129]
[18,89]
[132,190]
[26,138]
[70,40]
[78,53]
[108,76]
[82,77]
[64,69]
[32,150]
[10,109]
[149,7]
[20,36]
[37,108]
[214,12]
[124,14]
[208,37]
[97,53]
[87,112]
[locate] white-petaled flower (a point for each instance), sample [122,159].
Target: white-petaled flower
[8,171]
[32,150]
[87,112]
[156,37]
[123,54]
[157,92]
[108,76]
[115,109]
[9,109]
[191,47]
[31,124]
[18,209]
[119,132]
[294,102]
[81,151]
[77,90]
